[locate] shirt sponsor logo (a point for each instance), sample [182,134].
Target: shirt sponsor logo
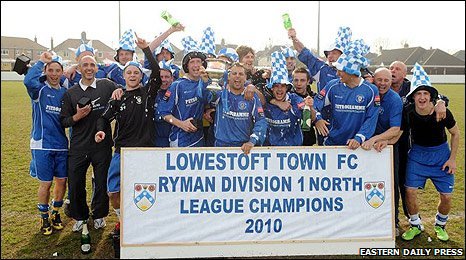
[237,114]
[52,109]
[350,107]
[191,101]
[279,122]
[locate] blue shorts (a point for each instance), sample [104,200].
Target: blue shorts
[46,164]
[113,178]
[426,163]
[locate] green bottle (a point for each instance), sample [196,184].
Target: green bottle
[85,240]
[306,123]
[287,21]
[169,18]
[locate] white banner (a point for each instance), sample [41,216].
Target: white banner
[219,196]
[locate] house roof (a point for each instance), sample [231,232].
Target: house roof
[439,57]
[74,43]
[410,56]
[20,43]
[459,55]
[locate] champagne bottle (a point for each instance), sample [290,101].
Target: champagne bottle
[169,18]
[306,123]
[287,21]
[85,240]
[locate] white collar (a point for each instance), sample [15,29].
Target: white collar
[84,87]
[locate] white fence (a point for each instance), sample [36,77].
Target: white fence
[11,75]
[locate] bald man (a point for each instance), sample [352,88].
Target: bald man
[388,125]
[82,105]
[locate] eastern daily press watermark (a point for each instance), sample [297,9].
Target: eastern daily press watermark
[411,251]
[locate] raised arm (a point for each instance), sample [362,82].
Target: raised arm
[159,39]
[297,44]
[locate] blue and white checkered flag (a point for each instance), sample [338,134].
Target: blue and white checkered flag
[420,77]
[128,41]
[279,71]
[208,41]
[288,52]
[230,53]
[189,44]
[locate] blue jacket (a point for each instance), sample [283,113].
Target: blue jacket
[391,108]
[238,121]
[284,127]
[354,111]
[47,132]
[185,98]
[320,71]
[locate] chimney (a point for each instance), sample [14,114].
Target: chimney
[51,43]
[380,49]
[83,36]
[35,38]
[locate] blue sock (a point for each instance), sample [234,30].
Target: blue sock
[44,210]
[56,205]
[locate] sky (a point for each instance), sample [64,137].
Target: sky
[435,24]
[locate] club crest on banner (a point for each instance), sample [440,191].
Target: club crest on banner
[374,193]
[144,195]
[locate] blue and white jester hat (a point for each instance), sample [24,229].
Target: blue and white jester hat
[133,63]
[57,58]
[128,41]
[288,52]
[164,45]
[84,47]
[421,81]
[343,38]
[352,59]
[230,53]
[167,66]
[207,45]
[279,71]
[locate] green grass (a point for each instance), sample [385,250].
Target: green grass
[20,218]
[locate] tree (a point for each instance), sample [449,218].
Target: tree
[381,43]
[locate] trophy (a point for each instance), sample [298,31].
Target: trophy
[216,68]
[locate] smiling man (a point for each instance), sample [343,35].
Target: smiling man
[284,125]
[239,122]
[184,102]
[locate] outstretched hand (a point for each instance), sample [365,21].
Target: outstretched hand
[141,43]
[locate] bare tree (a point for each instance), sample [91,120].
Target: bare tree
[381,43]
[404,43]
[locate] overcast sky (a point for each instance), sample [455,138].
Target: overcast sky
[257,24]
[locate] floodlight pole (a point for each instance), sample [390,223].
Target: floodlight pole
[119,21]
[318,28]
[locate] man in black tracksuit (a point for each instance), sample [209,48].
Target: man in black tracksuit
[82,105]
[135,118]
